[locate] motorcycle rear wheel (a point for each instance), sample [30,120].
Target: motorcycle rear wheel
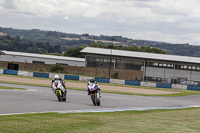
[64,97]
[98,102]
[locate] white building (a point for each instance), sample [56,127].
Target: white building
[11,56]
[155,67]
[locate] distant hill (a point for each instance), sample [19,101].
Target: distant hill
[66,40]
[2,34]
[103,41]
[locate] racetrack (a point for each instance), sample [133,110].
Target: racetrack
[42,99]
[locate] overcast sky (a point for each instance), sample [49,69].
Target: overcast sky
[173,21]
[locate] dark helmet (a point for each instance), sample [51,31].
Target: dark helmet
[91,80]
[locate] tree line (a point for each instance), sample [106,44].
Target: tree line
[75,51]
[49,38]
[15,44]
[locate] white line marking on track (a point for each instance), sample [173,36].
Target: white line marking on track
[28,90]
[106,110]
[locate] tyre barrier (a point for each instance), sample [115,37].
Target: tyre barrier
[194,88]
[41,75]
[134,83]
[10,72]
[25,73]
[71,77]
[102,80]
[1,71]
[117,81]
[163,85]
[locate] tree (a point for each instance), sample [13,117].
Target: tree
[57,68]
[75,52]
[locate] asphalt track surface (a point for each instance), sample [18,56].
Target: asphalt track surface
[42,99]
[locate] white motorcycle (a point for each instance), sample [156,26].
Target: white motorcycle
[59,90]
[95,94]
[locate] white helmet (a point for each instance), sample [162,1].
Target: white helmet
[56,77]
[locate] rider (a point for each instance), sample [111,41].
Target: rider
[95,82]
[57,77]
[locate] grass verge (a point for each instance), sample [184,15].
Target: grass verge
[18,76]
[6,87]
[184,92]
[151,121]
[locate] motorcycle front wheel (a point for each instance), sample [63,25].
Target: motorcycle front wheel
[58,95]
[93,99]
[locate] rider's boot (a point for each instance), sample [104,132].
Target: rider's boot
[99,92]
[53,90]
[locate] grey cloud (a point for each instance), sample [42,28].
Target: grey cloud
[129,18]
[148,0]
[166,11]
[9,4]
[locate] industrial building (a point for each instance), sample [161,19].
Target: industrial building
[150,66]
[10,56]
[155,67]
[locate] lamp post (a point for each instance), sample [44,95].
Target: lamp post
[101,70]
[110,56]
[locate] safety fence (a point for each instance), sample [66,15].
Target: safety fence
[101,80]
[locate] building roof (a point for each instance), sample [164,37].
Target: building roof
[42,56]
[141,55]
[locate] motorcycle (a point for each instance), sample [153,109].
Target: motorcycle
[59,90]
[94,93]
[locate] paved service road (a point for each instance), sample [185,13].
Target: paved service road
[42,99]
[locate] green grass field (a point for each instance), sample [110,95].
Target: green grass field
[151,121]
